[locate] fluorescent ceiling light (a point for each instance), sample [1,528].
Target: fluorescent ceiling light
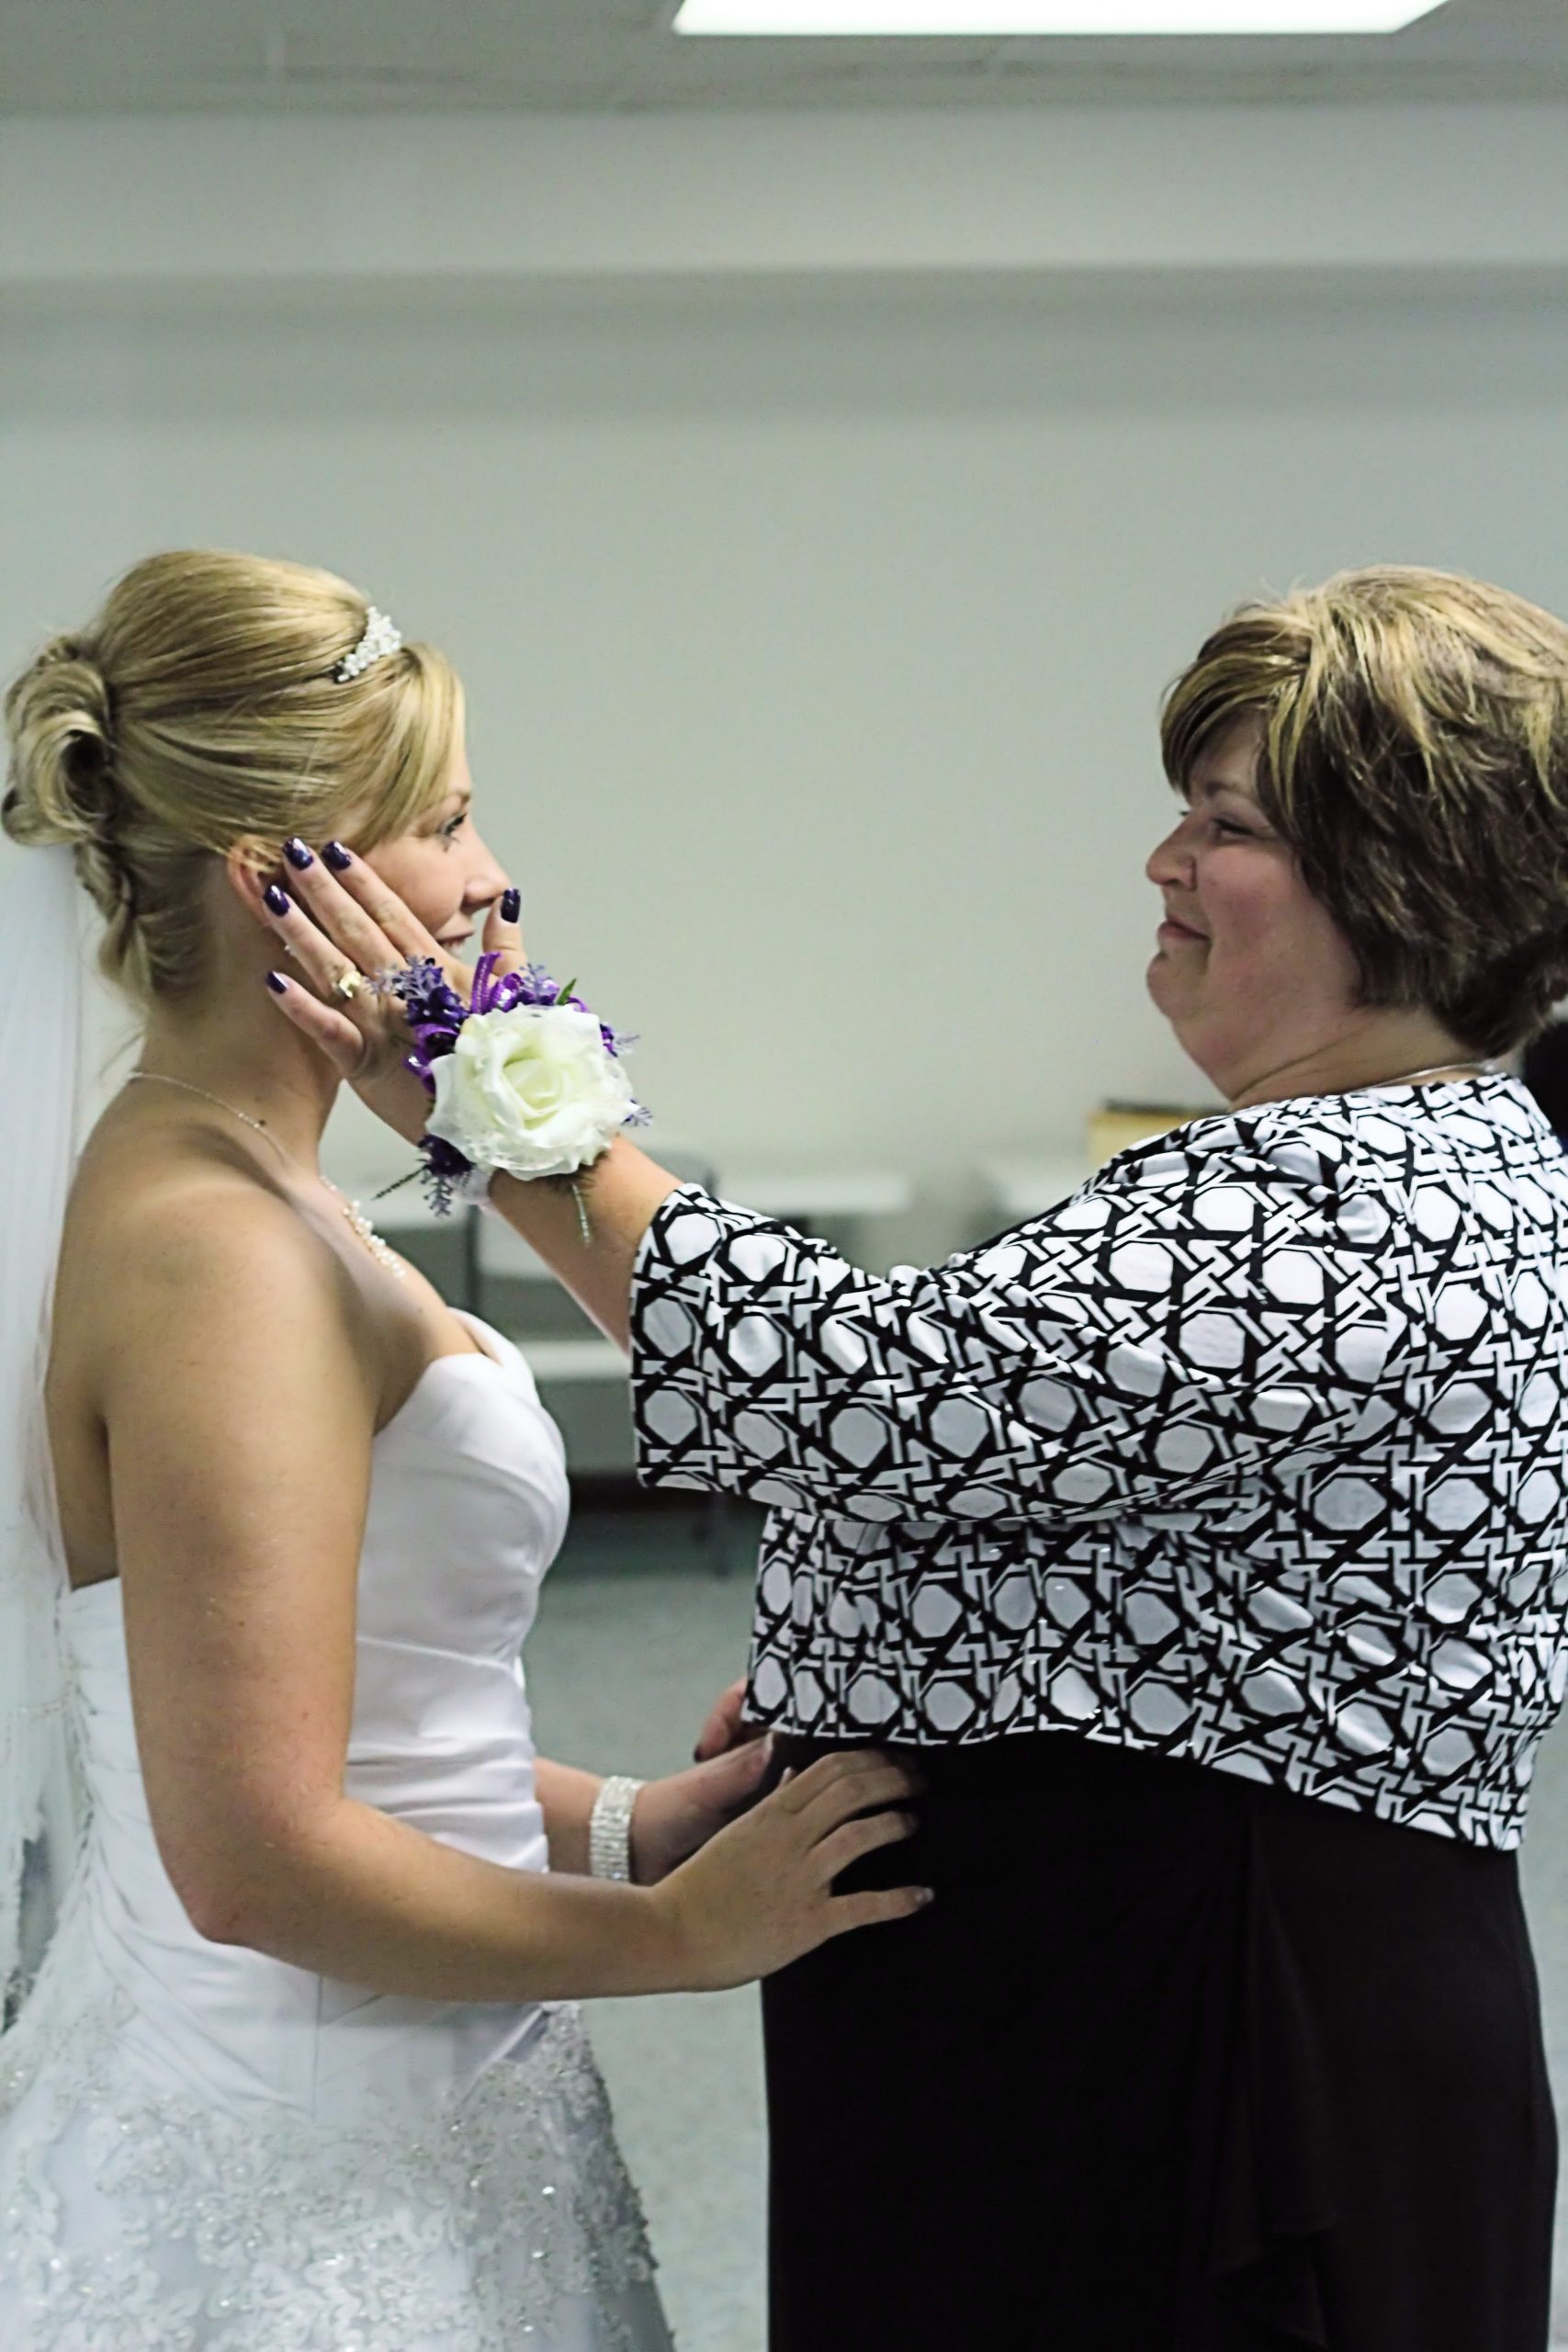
[1086,19]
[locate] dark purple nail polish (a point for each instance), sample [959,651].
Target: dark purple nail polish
[278,902]
[276,983]
[299,856]
[337,857]
[511,905]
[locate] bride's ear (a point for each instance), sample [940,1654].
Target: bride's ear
[250,864]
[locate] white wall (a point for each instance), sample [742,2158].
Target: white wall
[779,196]
[814,641]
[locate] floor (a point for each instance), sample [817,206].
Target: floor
[637,1636]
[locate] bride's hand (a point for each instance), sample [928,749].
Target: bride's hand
[761,1894]
[726,1726]
[335,925]
[673,1818]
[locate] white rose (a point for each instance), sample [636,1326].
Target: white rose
[533,1090]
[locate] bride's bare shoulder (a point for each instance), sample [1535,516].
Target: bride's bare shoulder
[176,1207]
[205,1332]
[186,1238]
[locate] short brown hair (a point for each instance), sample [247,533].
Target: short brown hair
[200,709]
[1414,755]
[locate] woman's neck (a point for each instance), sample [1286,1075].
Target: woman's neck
[1378,1052]
[250,1061]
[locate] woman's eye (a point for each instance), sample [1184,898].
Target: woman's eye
[450,832]
[1217,824]
[1222,828]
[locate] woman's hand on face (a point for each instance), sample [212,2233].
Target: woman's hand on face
[673,1818]
[337,920]
[760,1894]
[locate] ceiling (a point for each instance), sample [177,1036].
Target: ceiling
[94,56]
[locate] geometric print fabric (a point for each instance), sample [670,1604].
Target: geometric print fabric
[1250,1453]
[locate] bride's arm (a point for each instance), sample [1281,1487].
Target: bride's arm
[566,1799]
[671,1817]
[239,1416]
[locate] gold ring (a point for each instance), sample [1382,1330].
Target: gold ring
[347,984]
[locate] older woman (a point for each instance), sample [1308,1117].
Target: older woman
[1208,1536]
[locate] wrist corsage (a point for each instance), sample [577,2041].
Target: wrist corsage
[522,1077]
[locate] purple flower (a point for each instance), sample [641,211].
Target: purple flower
[444,1166]
[435,1013]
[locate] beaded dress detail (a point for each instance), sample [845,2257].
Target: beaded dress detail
[206,2150]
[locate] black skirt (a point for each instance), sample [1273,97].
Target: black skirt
[1174,2063]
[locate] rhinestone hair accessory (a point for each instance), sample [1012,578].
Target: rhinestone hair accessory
[381,636]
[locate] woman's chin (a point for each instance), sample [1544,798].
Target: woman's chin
[1159,979]
[1165,993]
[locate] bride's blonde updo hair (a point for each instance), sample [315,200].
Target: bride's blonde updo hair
[201,710]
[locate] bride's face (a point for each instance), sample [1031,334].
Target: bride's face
[441,870]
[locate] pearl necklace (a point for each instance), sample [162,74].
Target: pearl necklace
[380,1250]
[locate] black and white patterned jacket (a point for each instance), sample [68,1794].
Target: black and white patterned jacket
[1251,1453]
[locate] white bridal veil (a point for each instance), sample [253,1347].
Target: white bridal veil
[43,948]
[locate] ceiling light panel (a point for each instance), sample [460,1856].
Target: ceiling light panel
[1025,19]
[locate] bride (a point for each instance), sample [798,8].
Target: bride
[298,2070]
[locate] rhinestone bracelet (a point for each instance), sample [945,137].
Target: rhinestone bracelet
[610,1828]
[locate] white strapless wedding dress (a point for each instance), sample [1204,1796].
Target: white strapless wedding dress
[204,2150]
